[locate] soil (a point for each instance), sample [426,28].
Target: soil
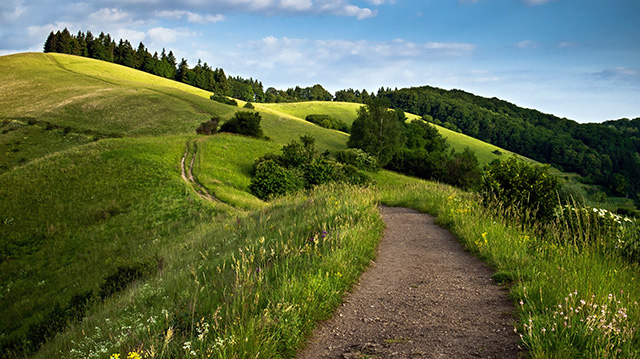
[423,297]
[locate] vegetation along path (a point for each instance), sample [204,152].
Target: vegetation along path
[424,297]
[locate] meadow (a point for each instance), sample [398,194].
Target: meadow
[108,253]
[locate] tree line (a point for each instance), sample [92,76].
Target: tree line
[202,75]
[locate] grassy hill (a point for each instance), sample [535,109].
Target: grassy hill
[97,224]
[90,175]
[347,112]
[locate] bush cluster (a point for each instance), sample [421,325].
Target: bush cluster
[524,187]
[358,158]
[329,122]
[225,100]
[210,127]
[299,167]
[244,123]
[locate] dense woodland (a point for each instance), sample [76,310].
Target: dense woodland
[605,154]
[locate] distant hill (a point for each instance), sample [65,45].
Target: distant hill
[605,154]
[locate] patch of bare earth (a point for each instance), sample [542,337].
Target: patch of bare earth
[423,297]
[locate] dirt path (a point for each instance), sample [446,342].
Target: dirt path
[423,297]
[187,175]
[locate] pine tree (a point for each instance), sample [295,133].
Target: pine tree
[52,43]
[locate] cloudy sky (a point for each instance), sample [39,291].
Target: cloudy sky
[578,59]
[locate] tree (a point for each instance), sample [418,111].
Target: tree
[377,130]
[51,44]
[463,169]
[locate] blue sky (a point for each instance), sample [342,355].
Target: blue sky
[578,59]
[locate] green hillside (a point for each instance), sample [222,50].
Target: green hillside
[347,112]
[60,101]
[106,250]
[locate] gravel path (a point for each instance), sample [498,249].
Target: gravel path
[423,297]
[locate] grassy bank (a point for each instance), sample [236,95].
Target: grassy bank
[249,286]
[574,300]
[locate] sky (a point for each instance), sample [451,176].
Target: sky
[578,59]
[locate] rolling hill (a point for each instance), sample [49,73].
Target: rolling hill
[106,250]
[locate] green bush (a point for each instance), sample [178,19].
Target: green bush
[352,175]
[525,188]
[244,123]
[209,127]
[420,163]
[225,100]
[463,170]
[329,122]
[358,158]
[299,166]
[319,171]
[271,179]
[249,105]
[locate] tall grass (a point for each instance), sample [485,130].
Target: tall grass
[251,286]
[577,296]
[70,220]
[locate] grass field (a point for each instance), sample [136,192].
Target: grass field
[238,277]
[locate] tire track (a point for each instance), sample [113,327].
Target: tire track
[187,175]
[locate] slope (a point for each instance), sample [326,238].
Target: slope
[347,112]
[60,101]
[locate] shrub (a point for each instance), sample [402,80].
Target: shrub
[463,170]
[299,166]
[329,122]
[358,159]
[524,187]
[319,171]
[271,179]
[225,100]
[420,163]
[244,123]
[295,154]
[249,105]
[209,127]
[352,175]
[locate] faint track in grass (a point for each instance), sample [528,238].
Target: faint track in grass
[188,177]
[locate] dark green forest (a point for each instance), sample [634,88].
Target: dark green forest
[604,154]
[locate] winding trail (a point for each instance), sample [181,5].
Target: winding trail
[423,297]
[187,175]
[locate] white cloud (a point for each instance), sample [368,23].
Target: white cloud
[280,52]
[621,74]
[296,5]
[42,31]
[134,37]
[536,2]
[107,15]
[527,44]
[190,16]
[163,35]
[15,13]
